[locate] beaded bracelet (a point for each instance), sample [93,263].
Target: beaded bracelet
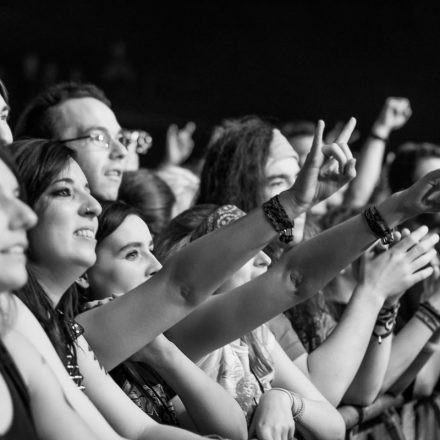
[386,319]
[278,218]
[378,225]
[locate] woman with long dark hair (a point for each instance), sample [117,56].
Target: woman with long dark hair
[33,403]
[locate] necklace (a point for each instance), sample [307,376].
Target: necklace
[73,331]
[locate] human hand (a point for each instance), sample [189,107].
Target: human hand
[394,115]
[326,169]
[89,305]
[273,417]
[179,143]
[391,273]
[423,196]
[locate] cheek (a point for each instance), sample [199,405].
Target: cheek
[91,163]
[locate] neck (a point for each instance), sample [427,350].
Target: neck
[54,282]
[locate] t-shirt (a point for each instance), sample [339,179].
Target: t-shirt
[244,367]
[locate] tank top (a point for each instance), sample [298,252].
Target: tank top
[22,426]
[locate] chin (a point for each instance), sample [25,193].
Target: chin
[14,280]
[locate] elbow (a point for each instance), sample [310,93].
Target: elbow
[360,398]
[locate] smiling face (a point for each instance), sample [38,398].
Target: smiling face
[5,130]
[103,167]
[124,259]
[15,219]
[64,238]
[281,167]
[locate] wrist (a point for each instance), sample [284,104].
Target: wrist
[381,131]
[394,210]
[291,206]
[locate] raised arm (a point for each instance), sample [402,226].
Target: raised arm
[393,116]
[301,272]
[192,274]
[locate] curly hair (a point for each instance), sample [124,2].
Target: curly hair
[233,172]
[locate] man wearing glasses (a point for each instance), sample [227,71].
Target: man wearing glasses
[80,115]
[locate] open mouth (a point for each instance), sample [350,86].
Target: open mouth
[85,233]
[116,174]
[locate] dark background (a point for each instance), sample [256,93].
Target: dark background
[209,60]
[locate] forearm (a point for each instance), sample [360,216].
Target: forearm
[210,407]
[368,381]
[321,420]
[317,261]
[368,169]
[407,344]
[334,364]
[428,376]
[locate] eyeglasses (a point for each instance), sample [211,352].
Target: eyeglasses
[127,138]
[138,139]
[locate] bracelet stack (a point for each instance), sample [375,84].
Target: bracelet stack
[298,408]
[278,218]
[429,315]
[296,403]
[378,225]
[387,320]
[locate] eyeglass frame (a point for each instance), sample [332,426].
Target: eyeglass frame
[127,136]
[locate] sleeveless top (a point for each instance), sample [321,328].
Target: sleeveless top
[22,427]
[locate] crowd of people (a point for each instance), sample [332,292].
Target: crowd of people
[247,297]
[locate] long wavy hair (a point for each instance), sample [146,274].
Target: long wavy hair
[38,163]
[233,172]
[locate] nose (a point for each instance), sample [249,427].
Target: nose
[153,265]
[5,134]
[22,216]
[262,261]
[118,150]
[90,206]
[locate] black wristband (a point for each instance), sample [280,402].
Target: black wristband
[376,136]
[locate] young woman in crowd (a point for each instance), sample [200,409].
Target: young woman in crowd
[33,402]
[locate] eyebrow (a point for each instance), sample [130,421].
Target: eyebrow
[64,179]
[5,108]
[135,244]
[278,176]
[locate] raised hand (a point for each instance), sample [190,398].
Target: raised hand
[179,144]
[392,272]
[394,115]
[423,196]
[327,168]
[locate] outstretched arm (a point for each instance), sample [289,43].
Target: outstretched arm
[301,273]
[393,116]
[192,274]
